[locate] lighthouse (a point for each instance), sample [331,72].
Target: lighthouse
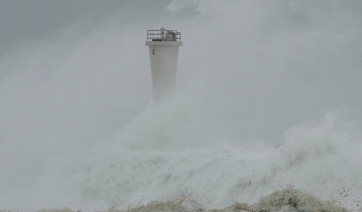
[163,51]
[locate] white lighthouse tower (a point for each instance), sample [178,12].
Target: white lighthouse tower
[163,49]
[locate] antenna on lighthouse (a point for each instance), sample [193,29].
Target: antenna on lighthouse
[163,51]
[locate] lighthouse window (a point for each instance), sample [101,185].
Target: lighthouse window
[153,51]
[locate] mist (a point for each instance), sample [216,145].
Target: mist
[75,88]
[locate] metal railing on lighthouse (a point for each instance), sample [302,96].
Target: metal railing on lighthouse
[163,35]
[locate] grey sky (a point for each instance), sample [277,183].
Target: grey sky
[23,21]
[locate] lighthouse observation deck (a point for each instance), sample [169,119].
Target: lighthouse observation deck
[163,37]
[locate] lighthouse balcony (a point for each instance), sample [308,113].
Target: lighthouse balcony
[163,35]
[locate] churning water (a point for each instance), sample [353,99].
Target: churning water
[148,161]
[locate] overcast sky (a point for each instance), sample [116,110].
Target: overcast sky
[25,21]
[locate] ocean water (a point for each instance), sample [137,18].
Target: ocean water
[266,116]
[148,161]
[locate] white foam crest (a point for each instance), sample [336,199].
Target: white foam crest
[114,175]
[319,160]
